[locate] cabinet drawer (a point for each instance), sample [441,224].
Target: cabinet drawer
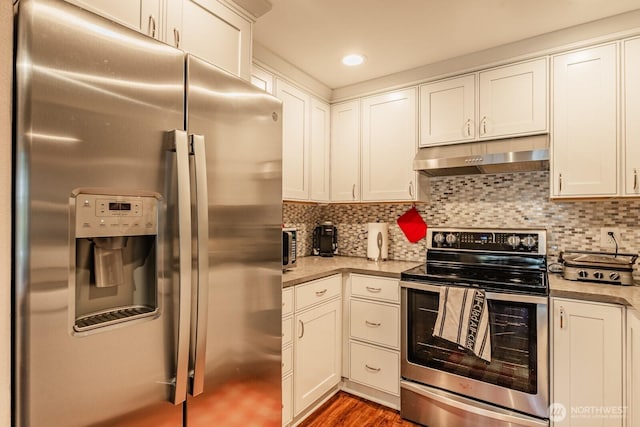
[287,360]
[375,367]
[287,301]
[379,288]
[287,400]
[318,291]
[287,331]
[375,322]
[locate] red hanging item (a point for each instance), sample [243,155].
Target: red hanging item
[412,225]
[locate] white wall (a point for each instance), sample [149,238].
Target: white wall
[6,59]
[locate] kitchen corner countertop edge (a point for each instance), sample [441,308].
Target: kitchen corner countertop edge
[312,268]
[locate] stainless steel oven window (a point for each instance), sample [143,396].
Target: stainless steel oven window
[514,361]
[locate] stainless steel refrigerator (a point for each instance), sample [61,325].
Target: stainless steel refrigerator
[147,263]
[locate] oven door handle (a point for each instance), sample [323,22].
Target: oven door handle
[466,405]
[496,296]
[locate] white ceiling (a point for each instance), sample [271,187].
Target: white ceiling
[397,35]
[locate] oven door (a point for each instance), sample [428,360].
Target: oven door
[518,375]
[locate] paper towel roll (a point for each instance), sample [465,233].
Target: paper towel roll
[378,241]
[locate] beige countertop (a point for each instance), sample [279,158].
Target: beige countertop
[614,294]
[311,268]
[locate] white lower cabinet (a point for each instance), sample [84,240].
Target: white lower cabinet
[311,345]
[633,368]
[587,380]
[372,328]
[287,399]
[287,356]
[318,351]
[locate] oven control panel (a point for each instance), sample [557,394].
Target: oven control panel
[527,241]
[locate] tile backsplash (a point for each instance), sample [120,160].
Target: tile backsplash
[513,200]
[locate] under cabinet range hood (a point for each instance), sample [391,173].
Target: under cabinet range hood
[523,154]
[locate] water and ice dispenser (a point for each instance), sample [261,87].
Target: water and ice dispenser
[116,247]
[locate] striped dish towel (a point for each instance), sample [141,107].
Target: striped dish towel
[463,318]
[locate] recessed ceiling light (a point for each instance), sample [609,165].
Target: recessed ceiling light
[353,59]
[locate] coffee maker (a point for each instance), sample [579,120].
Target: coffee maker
[325,240]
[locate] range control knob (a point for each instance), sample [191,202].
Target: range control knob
[514,241]
[614,276]
[451,238]
[598,275]
[438,238]
[529,241]
[583,274]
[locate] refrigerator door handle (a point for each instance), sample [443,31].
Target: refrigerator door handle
[181,146]
[202,209]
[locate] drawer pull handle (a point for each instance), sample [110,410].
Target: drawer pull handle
[374,290]
[301,329]
[375,325]
[372,369]
[320,293]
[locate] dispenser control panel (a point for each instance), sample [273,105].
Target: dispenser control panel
[100,215]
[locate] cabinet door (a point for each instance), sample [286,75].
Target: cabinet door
[633,365]
[345,152]
[320,138]
[447,111]
[262,79]
[631,123]
[389,144]
[295,141]
[318,352]
[513,100]
[141,15]
[584,134]
[216,34]
[587,363]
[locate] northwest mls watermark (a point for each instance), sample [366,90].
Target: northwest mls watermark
[558,412]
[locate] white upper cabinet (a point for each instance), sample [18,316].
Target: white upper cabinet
[584,133]
[141,15]
[448,109]
[320,142]
[389,144]
[295,141]
[205,28]
[631,112]
[501,102]
[513,100]
[213,32]
[262,79]
[345,152]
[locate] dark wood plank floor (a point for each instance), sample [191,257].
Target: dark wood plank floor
[346,410]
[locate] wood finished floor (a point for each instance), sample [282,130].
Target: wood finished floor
[346,410]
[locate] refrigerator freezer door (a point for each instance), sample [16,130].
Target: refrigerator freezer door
[242,129]
[94,102]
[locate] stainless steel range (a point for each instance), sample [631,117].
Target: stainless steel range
[445,385]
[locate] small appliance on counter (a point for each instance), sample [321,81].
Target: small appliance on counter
[601,267]
[325,240]
[289,246]
[378,241]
